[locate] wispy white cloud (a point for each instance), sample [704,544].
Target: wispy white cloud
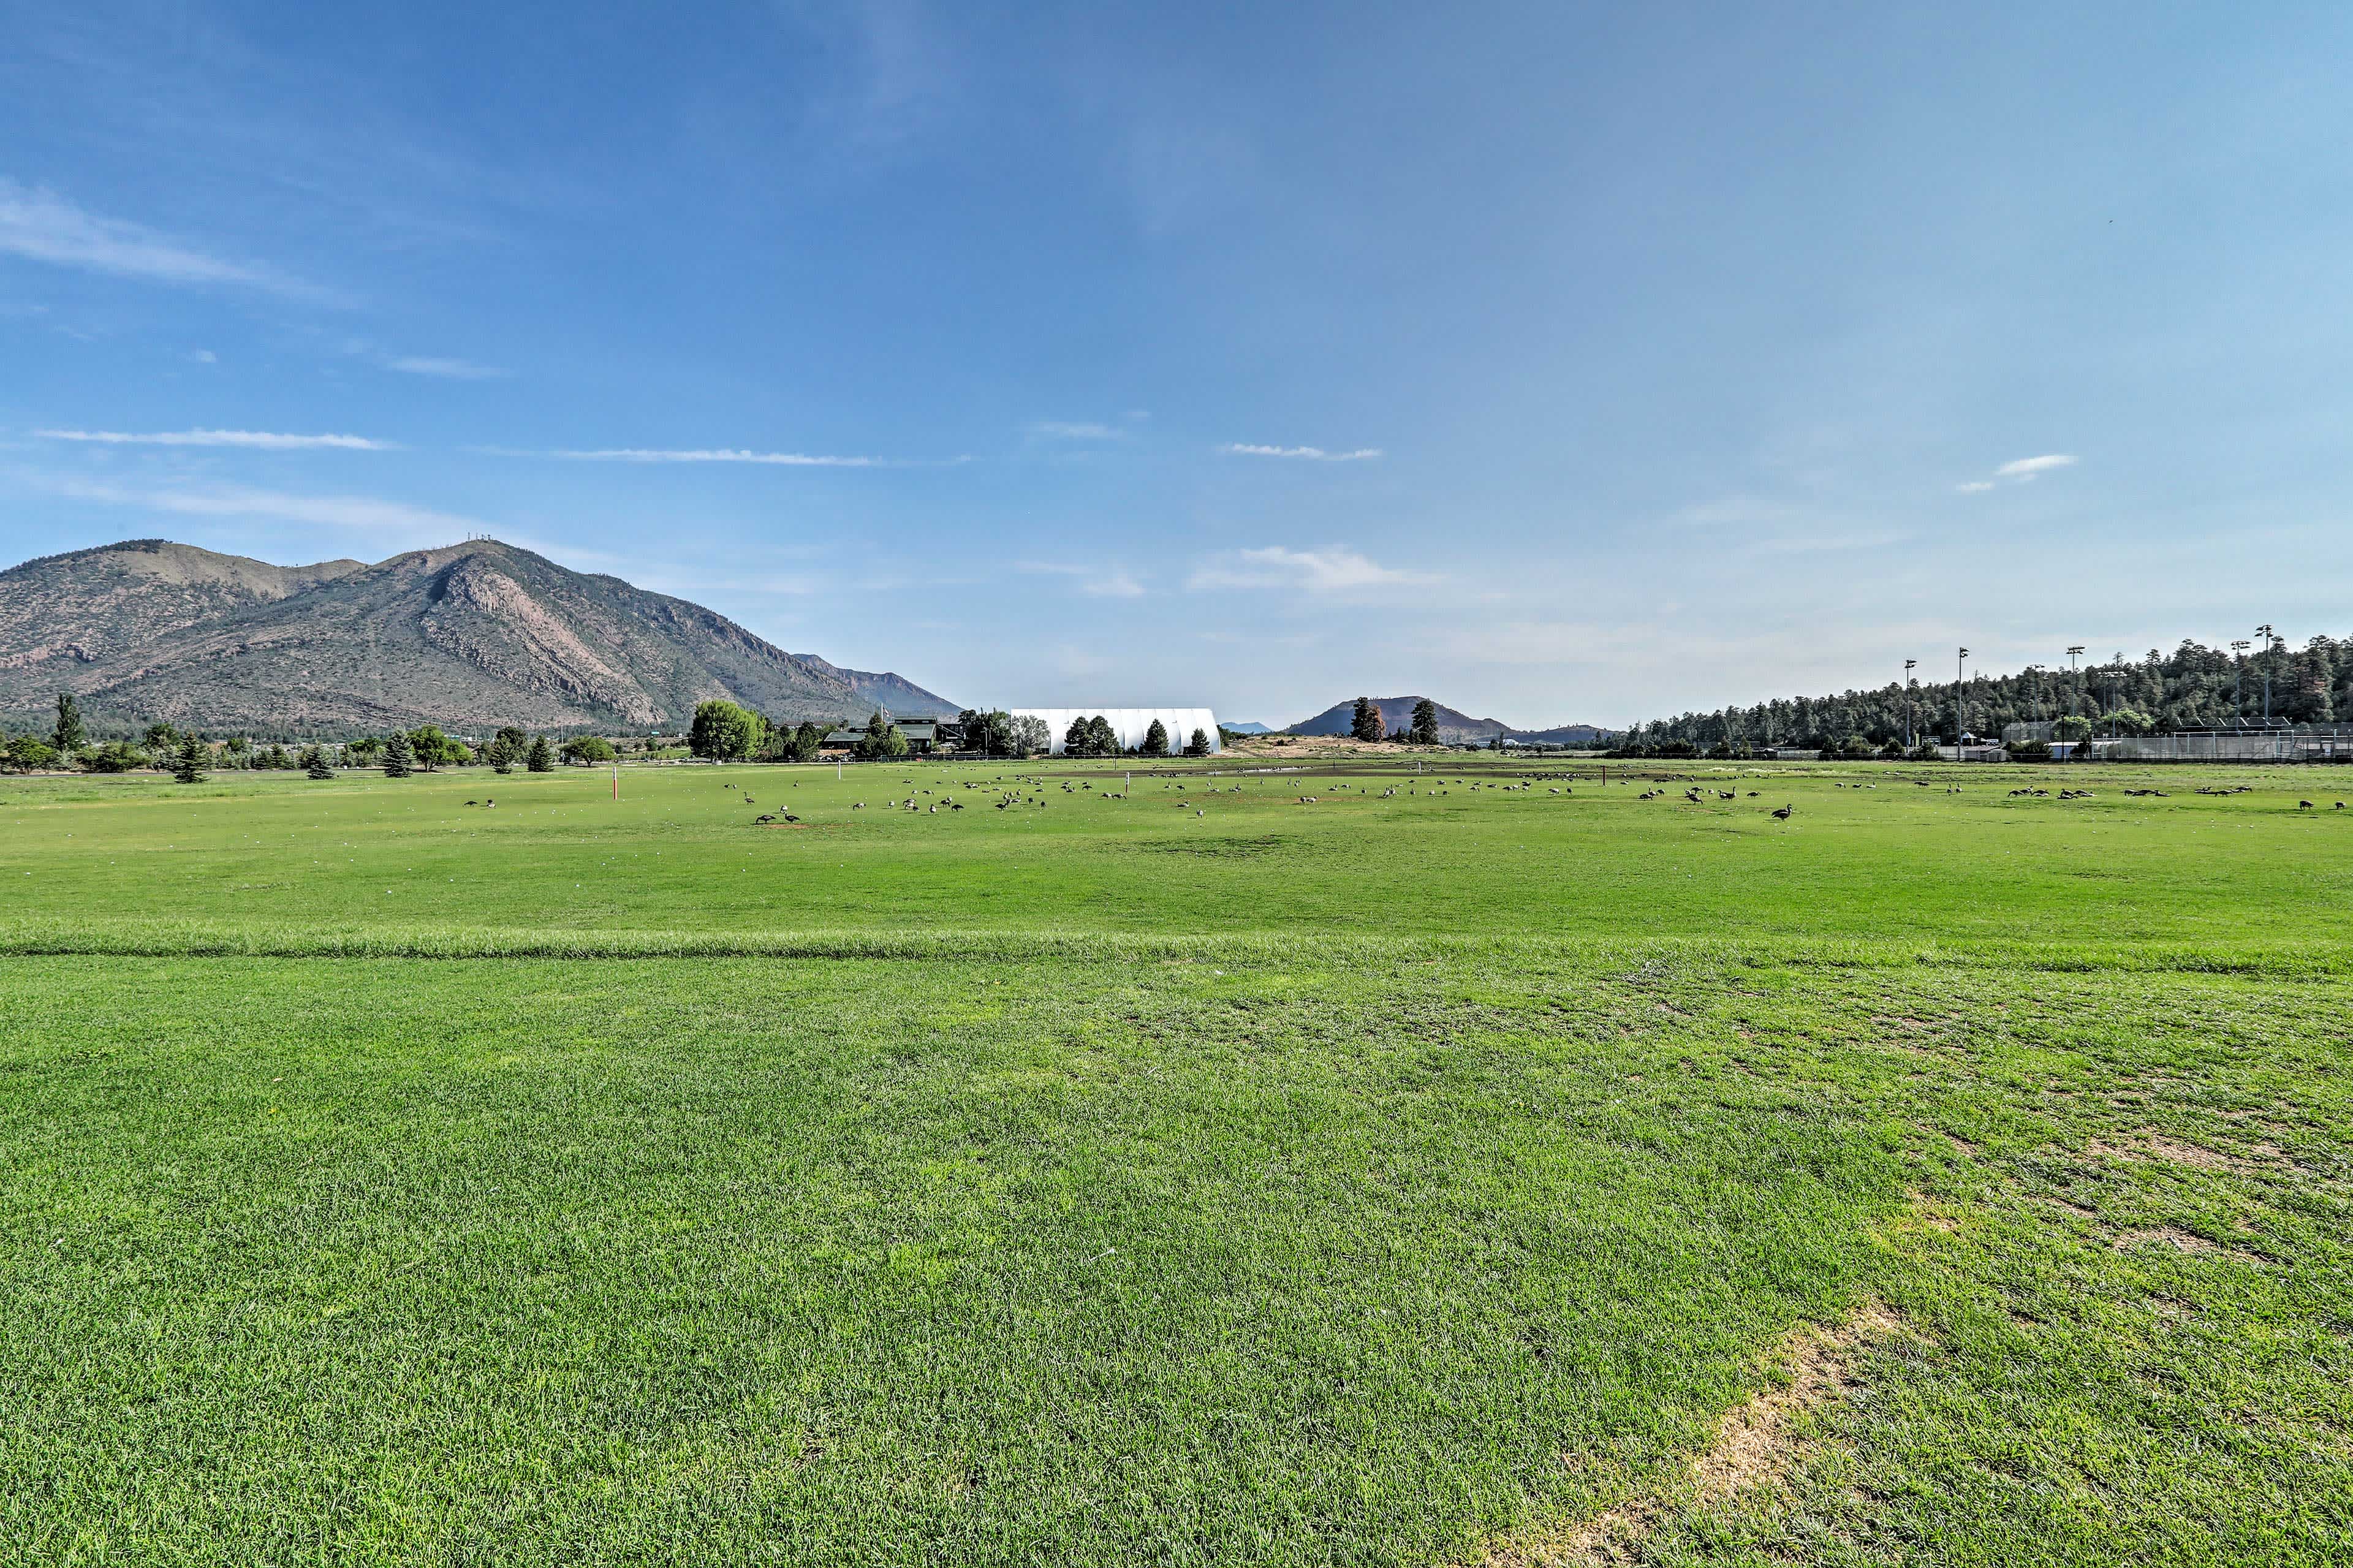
[363,512]
[1332,571]
[204,356]
[716,455]
[42,226]
[447,369]
[259,440]
[2020,471]
[1097,581]
[1309,454]
[712,454]
[1075,430]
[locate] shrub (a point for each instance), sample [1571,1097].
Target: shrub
[114,757]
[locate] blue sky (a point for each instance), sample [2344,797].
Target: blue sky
[1564,362]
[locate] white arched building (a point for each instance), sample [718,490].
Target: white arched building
[1130,724]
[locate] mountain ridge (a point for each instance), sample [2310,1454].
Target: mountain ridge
[471,636]
[1454,726]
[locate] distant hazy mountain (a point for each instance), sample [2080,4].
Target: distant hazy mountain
[1454,727]
[1247,727]
[470,637]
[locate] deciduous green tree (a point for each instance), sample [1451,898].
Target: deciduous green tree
[431,747]
[587,749]
[723,732]
[27,753]
[882,741]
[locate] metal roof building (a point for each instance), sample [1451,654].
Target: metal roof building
[1129,724]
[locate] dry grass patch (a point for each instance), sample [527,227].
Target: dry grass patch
[2147,1146]
[1753,1445]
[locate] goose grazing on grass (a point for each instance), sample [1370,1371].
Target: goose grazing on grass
[1784,813]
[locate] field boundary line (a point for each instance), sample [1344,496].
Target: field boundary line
[128,938]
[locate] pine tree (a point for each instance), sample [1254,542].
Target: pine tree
[1156,739]
[314,763]
[189,766]
[1366,725]
[398,757]
[500,754]
[1102,739]
[1198,746]
[1425,723]
[68,737]
[541,758]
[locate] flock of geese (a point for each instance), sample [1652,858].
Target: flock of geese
[1029,792]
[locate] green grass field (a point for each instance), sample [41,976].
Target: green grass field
[1420,1178]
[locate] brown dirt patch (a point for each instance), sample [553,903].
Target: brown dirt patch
[2145,1146]
[1752,1445]
[2165,1235]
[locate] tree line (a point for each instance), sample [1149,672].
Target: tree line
[189,755]
[2192,688]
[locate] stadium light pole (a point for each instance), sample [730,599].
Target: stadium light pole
[2264,631]
[2075,668]
[1911,736]
[2238,679]
[1960,722]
